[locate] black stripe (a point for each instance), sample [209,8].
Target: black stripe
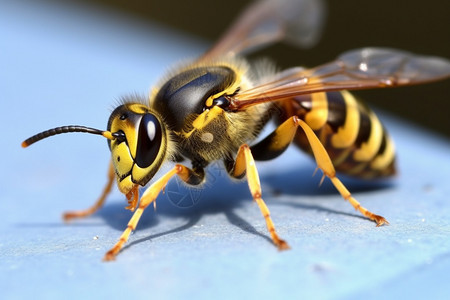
[365,127]
[337,110]
[383,144]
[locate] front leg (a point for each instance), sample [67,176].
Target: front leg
[245,163]
[70,215]
[148,197]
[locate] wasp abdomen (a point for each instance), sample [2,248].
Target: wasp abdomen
[351,133]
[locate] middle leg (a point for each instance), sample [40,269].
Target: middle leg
[245,163]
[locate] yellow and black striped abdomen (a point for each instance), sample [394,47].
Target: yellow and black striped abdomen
[353,136]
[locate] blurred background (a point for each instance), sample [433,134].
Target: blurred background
[413,25]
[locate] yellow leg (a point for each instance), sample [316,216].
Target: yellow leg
[69,216]
[147,198]
[325,164]
[244,162]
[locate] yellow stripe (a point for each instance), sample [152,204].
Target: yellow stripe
[203,119]
[370,148]
[318,115]
[383,160]
[346,135]
[206,117]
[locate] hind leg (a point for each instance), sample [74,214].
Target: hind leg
[279,140]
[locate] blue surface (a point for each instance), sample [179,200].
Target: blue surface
[61,68]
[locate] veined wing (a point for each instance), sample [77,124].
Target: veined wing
[353,70]
[269,21]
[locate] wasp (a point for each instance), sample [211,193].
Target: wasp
[214,108]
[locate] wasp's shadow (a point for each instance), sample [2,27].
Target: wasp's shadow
[222,195]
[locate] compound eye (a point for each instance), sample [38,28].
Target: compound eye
[149,140]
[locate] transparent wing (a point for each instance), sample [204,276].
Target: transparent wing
[354,70]
[268,21]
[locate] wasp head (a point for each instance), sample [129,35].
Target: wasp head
[139,145]
[137,139]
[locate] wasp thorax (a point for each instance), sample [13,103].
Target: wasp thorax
[140,143]
[187,92]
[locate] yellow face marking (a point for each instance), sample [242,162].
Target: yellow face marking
[137,108]
[129,129]
[125,185]
[122,159]
[370,148]
[123,154]
[346,135]
[318,115]
[382,161]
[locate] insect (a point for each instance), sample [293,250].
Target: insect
[214,108]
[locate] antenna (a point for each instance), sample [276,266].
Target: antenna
[66,129]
